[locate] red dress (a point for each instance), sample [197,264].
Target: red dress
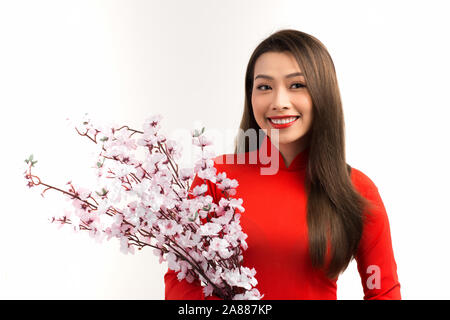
[275,222]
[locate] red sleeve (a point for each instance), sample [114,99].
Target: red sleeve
[183,290]
[375,256]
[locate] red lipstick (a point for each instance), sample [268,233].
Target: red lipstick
[282,125]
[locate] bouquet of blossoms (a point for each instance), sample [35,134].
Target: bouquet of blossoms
[148,202]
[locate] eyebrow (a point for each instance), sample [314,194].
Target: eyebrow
[295,74]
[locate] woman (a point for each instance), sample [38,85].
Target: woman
[307,220]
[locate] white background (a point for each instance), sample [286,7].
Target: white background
[125,60]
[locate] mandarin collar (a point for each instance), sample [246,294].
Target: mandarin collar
[298,163]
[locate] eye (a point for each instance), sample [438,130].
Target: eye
[301,85]
[297,83]
[259,87]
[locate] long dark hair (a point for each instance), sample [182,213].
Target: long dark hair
[335,207]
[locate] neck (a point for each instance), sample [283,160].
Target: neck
[290,150]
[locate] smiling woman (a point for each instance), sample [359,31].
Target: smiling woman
[284,103]
[316,214]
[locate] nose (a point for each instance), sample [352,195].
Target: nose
[281,100]
[275,107]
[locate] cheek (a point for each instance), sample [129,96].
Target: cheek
[258,109]
[310,111]
[307,108]
[308,120]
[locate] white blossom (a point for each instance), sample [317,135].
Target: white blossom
[210,229]
[200,190]
[140,202]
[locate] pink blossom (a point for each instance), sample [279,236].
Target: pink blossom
[243,277]
[148,140]
[152,124]
[208,173]
[186,174]
[208,290]
[252,294]
[125,246]
[97,234]
[141,202]
[169,227]
[160,254]
[221,247]
[184,269]
[172,261]
[210,229]
[202,141]
[227,184]
[200,190]
[174,149]
[185,239]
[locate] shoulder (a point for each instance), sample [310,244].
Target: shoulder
[368,189]
[233,161]
[237,166]
[222,158]
[362,182]
[227,158]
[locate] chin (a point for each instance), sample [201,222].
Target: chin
[285,139]
[288,141]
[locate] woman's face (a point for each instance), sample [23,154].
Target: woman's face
[278,92]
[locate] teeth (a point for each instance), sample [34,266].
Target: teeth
[283,121]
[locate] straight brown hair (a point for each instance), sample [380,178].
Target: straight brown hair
[335,208]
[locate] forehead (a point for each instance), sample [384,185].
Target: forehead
[276,63]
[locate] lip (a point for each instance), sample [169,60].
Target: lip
[281,117]
[284,125]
